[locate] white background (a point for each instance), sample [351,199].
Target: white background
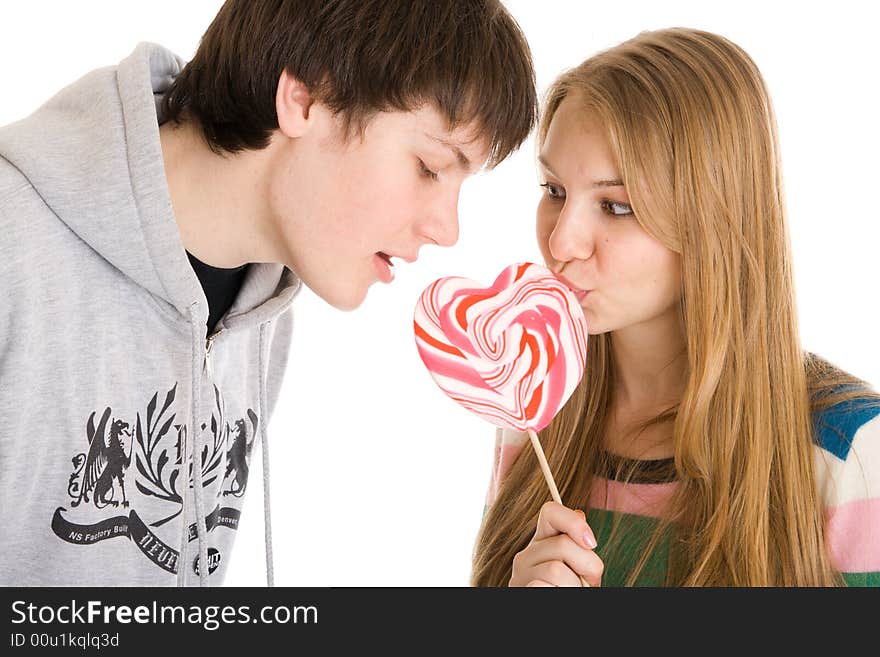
[378,479]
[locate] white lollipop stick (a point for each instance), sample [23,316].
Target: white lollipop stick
[548,477]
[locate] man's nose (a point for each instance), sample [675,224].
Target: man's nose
[442,225]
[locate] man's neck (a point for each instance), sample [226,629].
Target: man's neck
[218,201]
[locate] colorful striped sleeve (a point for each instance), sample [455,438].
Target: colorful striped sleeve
[847,456]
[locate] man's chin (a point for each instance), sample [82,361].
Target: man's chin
[347,307]
[344,295]
[344,300]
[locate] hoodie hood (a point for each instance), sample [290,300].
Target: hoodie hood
[117,199]
[92,155]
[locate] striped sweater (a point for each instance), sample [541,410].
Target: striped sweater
[847,461]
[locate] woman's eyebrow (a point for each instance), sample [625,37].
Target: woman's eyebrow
[614,182]
[608,183]
[546,165]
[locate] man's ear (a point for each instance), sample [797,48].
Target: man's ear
[292,104]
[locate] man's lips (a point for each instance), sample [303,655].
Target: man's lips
[387,257]
[384,264]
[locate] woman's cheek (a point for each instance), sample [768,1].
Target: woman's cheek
[545,223]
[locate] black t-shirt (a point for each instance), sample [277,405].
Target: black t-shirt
[221,286]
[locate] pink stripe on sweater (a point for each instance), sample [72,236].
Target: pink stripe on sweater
[649,500]
[853,536]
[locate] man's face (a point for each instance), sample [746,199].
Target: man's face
[342,208]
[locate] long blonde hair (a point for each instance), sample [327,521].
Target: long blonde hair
[692,129]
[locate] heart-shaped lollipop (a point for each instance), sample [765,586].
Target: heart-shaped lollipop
[512,353]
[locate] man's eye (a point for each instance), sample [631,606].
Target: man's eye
[616,208]
[553,191]
[427,172]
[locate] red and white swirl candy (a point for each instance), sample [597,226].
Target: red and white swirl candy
[512,353]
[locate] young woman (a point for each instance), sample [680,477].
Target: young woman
[704,446]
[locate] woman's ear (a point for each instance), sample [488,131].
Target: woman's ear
[292,104]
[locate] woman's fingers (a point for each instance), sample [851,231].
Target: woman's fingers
[560,552]
[555,573]
[561,548]
[557,519]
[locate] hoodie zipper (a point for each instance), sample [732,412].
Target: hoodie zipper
[209,343]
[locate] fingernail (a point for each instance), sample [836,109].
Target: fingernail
[589,539]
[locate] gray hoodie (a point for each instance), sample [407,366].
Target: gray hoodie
[108,382]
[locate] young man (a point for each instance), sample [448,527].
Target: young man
[158,220]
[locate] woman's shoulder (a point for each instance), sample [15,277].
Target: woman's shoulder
[847,460]
[846,436]
[838,427]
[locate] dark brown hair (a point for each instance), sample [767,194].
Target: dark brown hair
[359,57]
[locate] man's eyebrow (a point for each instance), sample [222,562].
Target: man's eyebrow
[615,182]
[463,161]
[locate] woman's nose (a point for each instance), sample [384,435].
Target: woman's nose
[572,236]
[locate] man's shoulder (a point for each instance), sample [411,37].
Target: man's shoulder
[12,183]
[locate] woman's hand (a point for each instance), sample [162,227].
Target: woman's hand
[560,550]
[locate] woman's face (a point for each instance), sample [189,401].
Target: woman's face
[588,234]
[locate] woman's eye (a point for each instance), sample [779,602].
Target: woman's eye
[426,172]
[616,208]
[553,191]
